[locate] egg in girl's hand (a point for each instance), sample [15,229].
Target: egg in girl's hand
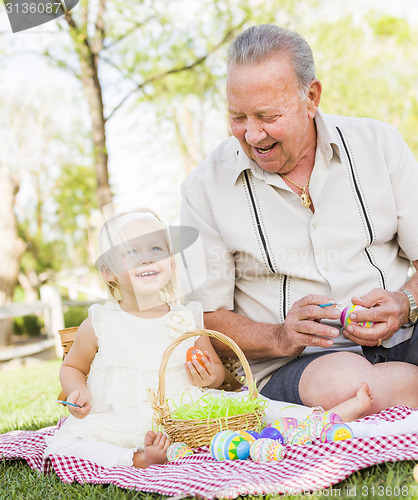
[194,353]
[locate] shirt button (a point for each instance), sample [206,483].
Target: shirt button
[325,268]
[314,225]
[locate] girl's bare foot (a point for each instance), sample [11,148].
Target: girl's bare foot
[364,399]
[357,407]
[155,450]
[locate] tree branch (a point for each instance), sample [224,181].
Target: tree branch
[117,68]
[172,71]
[129,32]
[99,34]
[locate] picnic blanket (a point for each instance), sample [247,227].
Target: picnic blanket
[305,468]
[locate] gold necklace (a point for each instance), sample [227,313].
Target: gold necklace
[305,198]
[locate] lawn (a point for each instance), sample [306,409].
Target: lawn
[27,401]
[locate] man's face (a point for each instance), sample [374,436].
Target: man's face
[268,114]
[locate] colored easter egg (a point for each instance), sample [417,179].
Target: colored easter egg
[178,450]
[230,445]
[345,320]
[301,435]
[255,434]
[324,417]
[272,433]
[272,451]
[216,445]
[194,353]
[236,448]
[248,436]
[255,448]
[315,429]
[336,432]
[283,424]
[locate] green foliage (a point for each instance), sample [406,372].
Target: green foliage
[42,254]
[28,325]
[75,194]
[369,68]
[74,316]
[390,26]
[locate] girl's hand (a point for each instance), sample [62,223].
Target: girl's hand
[82,398]
[199,375]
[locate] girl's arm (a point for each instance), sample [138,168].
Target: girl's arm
[76,366]
[214,372]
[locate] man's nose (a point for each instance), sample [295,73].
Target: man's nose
[255,133]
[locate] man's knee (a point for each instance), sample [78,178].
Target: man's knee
[334,378]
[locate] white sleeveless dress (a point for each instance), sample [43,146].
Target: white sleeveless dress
[125,366]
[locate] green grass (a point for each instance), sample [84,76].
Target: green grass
[27,401]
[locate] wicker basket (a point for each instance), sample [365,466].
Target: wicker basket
[67,338]
[200,432]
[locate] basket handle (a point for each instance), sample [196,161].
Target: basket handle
[208,333]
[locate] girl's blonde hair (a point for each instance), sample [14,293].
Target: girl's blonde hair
[110,236]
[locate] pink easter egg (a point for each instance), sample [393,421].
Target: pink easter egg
[283,424]
[323,417]
[345,320]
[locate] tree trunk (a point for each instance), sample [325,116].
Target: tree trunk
[93,92]
[11,250]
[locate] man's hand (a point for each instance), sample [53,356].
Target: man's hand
[388,311]
[303,328]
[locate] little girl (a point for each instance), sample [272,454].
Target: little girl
[120,347]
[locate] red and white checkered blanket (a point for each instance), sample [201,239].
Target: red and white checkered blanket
[305,468]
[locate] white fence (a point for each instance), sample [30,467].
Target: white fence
[51,307]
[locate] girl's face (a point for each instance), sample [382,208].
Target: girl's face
[146,264]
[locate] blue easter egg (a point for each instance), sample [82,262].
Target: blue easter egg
[216,446]
[336,432]
[229,445]
[272,433]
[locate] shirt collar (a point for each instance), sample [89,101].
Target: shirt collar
[326,141]
[326,136]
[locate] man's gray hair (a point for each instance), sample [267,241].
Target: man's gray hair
[257,43]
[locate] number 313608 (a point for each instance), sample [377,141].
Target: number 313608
[391,491]
[33,7]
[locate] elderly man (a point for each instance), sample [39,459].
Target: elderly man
[300,209]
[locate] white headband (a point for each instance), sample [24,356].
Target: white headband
[124,219]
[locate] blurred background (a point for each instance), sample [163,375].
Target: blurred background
[119,101]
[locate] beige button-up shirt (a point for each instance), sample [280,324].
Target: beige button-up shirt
[264,250]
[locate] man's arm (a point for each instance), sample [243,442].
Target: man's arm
[261,341]
[255,339]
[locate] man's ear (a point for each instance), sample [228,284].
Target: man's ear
[314,97]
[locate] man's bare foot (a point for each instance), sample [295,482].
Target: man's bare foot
[357,407]
[155,450]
